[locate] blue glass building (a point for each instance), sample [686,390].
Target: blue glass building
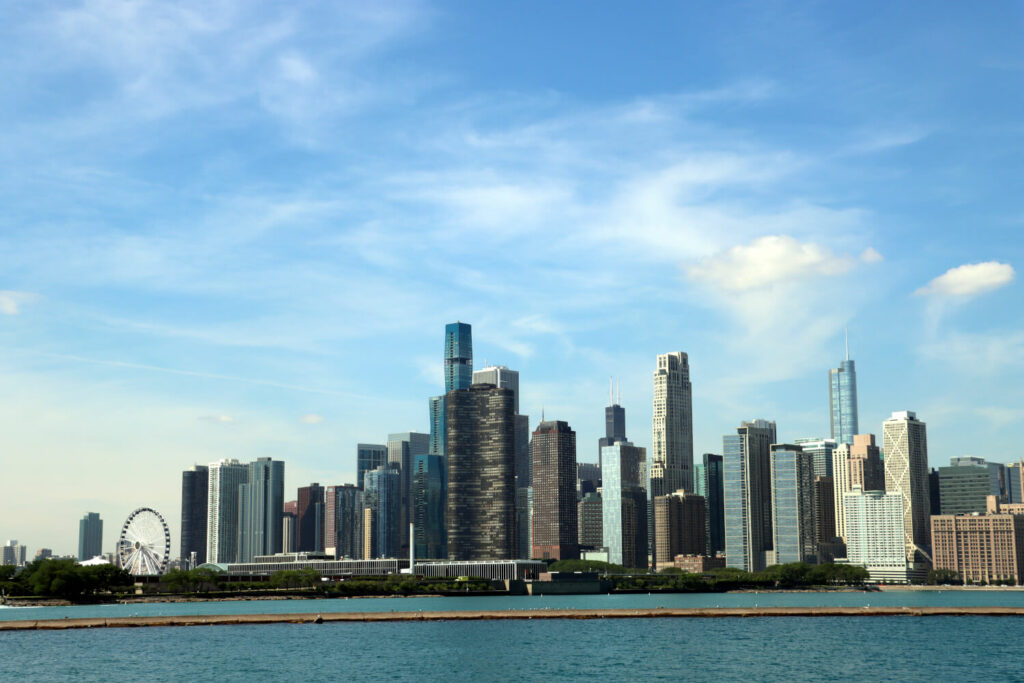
[458,356]
[381,495]
[438,425]
[624,504]
[842,383]
[792,473]
[709,484]
[746,475]
[428,501]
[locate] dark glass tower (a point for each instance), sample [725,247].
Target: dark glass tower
[262,503]
[708,483]
[480,510]
[90,536]
[428,494]
[458,356]
[369,456]
[555,524]
[382,525]
[309,523]
[842,390]
[194,483]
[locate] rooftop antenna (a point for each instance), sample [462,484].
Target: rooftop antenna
[618,400]
[611,392]
[542,413]
[847,344]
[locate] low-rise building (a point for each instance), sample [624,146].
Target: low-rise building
[698,564]
[979,547]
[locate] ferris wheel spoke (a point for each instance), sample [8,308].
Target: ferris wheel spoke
[144,545]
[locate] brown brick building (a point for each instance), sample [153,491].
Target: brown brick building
[679,527]
[979,547]
[555,524]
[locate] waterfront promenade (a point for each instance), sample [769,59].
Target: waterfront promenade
[478,615]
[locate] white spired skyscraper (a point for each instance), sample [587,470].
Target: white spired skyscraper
[672,434]
[905,444]
[842,388]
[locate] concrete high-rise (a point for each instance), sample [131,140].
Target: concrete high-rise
[867,471]
[428,501]
[840,486]
[748,494]
[672,433]
[481,474]
[614,424]
[824,510]
[980,547]
[369,456]
[708,483]
[343,522]
[624,504]
[681,523]
[194,489]
[590,520]
[289,527]
[1014,482]
[223,504]
[821,451]
[500,376]
[402,448]
[792,477]
[905,442]
[309,519]
[381,513]
[458,356]
[874,538]
[842,386]
[90,536]
[555,524]
[262,508]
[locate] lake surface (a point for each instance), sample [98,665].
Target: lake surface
[751,649]
[972,598]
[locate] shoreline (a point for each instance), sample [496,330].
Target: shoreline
[487,615]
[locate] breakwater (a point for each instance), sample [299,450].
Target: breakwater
[480,615]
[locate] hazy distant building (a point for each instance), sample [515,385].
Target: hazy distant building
[402,448]
[369,456]
[289,532]
[194,490]
[262,509]
[590,521]
[792,478]
[458,356]
[963,489]
[223,504]
[875,536]
[381,513]
[708,483]
[428,503]
[555,527]
[624,504]
[343,522]
[821,451]
[842,383]
[979,547]
[90,536]
[13,554]
[309,519]
[481,474]
[680,520]
[905,442]
[748,495]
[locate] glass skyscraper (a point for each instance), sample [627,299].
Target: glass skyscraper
[624,504]
[261,509]
[90,536]
[381,489]
[792,472]
[842,384]
[748,494]
[458,356]
[428,500]
[707,482]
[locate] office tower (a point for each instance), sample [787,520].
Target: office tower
[672,434]
[842,384]
[963,489]
[588,478]
[934,497]
[680,521]
[905,442]
[428,496]
[369,456]
[746,476]
[13,554]
[381,521]
[614,423]
[979,547]
[500,376]
[90,536]
[435,408]
[555,525]
[997,485]
[223,504]
[44,554]
[194,485]
[792,477]
[589,514]
[402,447]
[524,522]
[1014,482]
[824,510]
[624,504]
[480,510]
[841,486]
[458,356]
[343,522]
[288,532]
[821,451]
[866,470]
[875,536]
[309,519]
[708,483]
[521,447]
[262,509]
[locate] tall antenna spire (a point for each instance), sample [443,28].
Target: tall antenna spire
[847,343]
[611,394]
[618,400]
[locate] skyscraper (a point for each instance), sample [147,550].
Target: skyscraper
[681,523]
[402,447]
[262,510]
[792,474]
[591,523]
[438,426]
[481,474]
[624,504]
[963,489]
[555,524]
[194,485]
[905,441]
[343,522]
[309,519]
[223,505]
[708,483]
[824,509]
[821,451]
[874,538]
[614,424]
[501,376]
[866,469]
[1014,482]
[748,494]
[381,520]
[458,356]
[369,456]
[428,496]
[840,486]
[90,536]
[842,386]
[672,434]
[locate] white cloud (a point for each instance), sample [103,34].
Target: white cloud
[966,281]
[871,255]
[767,261]
[11,301]
[218,419]
[311,419]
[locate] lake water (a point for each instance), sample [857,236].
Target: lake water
[754,649]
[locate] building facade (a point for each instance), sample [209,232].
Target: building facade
[866,470]
[875,534]
[458,356]
[963,489]
[194,485]
[262,510]
[681,523]
[590,521]
[402,448]
[343,522]
[792,477]
[369,456]
[842,385]
[428,503]
[672,432]
[821,451]
[980,548]
[746,475]
[223,503]
[708,482]
[90,536]
[381,513]
[905,442]
[309,519]
[824,510]
[555,524]
[624,504]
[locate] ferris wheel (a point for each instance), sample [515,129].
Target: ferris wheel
[145,544]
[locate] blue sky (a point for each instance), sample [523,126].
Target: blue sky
[237,229]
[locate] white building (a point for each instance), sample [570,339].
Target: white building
[222,503]
[841,485]
[672,429]
[905,444]
[874,534]
[501,377]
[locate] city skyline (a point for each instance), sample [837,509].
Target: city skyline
[209,258]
